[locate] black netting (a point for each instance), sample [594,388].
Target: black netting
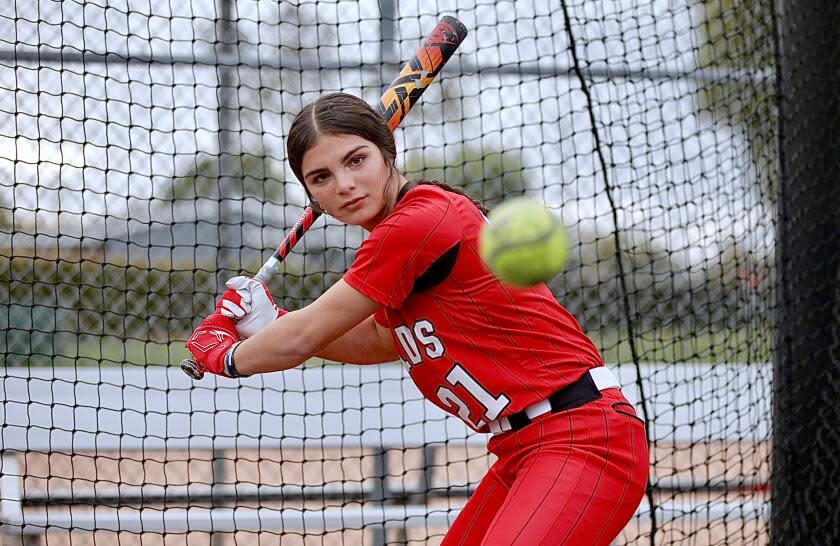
[142,163]
[806,477]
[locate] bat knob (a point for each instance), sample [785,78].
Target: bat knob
[191,369]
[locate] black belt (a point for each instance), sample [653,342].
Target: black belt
[569,397]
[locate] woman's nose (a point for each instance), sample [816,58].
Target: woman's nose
[345,181]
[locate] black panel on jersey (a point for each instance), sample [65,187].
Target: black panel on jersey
[440,268]
[408,186]
[438,271]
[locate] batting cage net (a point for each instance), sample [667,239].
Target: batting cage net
[142,164]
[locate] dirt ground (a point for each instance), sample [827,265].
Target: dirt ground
[453,465]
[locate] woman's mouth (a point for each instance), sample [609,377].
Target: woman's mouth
[354,203]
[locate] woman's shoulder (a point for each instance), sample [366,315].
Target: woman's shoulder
[434,191]
[422,197]
[420,207]
[427,189]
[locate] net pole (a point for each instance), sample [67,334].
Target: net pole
[230,181]
[806,411]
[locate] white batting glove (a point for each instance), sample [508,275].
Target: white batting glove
[249,302]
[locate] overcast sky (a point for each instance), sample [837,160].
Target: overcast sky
[91,145]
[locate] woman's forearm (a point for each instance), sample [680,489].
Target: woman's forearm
[361,345]
[279,346]
[337,326]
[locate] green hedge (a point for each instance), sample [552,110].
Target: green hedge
[54,309]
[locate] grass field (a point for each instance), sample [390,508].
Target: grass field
[725,346]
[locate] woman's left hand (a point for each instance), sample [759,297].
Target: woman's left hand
[210,343]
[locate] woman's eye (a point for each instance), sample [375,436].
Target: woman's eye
[357,160]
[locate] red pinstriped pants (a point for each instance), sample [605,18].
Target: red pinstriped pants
[573,478]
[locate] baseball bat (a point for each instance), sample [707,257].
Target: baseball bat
[393,105]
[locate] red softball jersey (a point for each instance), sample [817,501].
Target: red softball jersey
[474,346]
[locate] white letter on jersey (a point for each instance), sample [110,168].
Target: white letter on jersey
[408,344]
[424,331]
[493,406]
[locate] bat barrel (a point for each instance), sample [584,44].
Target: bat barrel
[456,26]
[421,70]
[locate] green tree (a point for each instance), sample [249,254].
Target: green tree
[487,175]
[254,175]
[736,36]
[230,195]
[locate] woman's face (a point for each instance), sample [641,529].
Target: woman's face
[346,175]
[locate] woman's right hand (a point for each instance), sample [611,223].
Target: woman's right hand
[249,304]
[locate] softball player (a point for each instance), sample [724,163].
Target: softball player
[572,458]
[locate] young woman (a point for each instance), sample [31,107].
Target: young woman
[572,458]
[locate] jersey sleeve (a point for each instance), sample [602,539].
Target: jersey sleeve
[382,317]
[422,227]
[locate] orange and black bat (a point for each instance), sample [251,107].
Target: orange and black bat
[393,106]
[421,70]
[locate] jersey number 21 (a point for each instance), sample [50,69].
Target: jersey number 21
[423,332]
